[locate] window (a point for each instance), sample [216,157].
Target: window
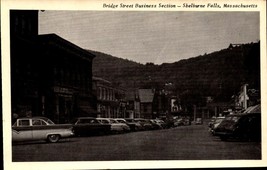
[105,121]
[38,122]
[145,108]
[24,122]
[94,121]
[84,121]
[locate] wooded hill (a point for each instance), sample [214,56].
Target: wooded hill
[219,74]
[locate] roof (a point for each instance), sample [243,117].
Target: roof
[54,40]
[146,95]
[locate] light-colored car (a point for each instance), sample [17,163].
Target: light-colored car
[133,125]
[162,123]
[116,127]
[155,124]
[199,121]
[39,128]
[215,124]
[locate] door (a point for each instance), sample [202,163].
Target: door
[23,131]
[65,109]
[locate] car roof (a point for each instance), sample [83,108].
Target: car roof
[34,117]
[85,118]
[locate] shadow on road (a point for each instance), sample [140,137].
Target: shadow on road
[42,142]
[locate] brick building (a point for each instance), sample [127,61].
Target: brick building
[110,99]
[50,76]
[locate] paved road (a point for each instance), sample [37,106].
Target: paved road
[181,143]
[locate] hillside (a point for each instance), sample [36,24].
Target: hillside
[219,74]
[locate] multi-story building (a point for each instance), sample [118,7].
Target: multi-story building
[50,76]
[133,104]
[110,100]
[146,103]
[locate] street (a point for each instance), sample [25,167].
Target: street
[180,143]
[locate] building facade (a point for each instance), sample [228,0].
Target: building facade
[111,101]
[50,76]
[146,103]
[133,104]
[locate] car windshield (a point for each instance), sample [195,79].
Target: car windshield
[121,121]
[38,122]
[218,120]
[50,122]
[86,121]
[105,121]
[113,121]
[233,118]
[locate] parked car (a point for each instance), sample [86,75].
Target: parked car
[186,121]
[240,126]
[215,124]
[156,125]
[132,125]
[162,123]
[116,127]
[145,123]
[39,128]
[84,126]
[211,121]
[137,125]
[199,121]
[181,121]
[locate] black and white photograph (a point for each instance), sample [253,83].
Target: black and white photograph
[142,82]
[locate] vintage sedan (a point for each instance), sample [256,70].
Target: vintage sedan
[116,127]
[162,123]
[145,123]
[39,128]
[86,126]
[215,124]
[121,120]
[156,125]
[199,121]
[240,126]
[131,122]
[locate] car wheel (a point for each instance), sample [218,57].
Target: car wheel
[53,138]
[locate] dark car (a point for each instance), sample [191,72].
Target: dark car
[240,126]
[86,126]
[145,123]
[135,126]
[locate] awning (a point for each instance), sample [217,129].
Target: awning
[253,109]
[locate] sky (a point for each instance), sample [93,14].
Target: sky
[152,36]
